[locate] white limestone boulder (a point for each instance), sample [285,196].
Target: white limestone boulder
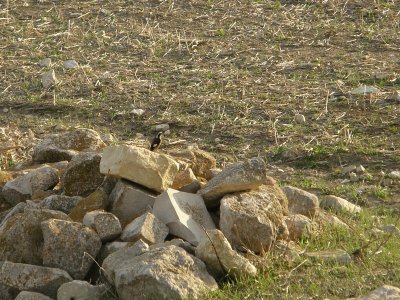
[151,169]
[129,201]
[69,246]
[25,277]
[301,202]
[254,219]
[216,252]
[147,228]
[185,214]
[161,273]
[22,187]
[241,176]
[65,146]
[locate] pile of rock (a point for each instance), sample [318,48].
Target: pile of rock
[161,225]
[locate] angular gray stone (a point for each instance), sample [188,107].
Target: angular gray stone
[22,187]
[65,146]
[150,169]
[158,274]
[238,177]
[33,278]
[130,201]
[301,202]
[110,248]
[81,290]
[254,219]
[216,252]
[104,223]
[25,295]
[177,242]
[338,204]
[147,228]
[386,292]
[185,214]
[49,79]
[70,246]
[119,259]
[59,202]
[299,226]
[330,256]
[21,238]
[82,175]
[70,64]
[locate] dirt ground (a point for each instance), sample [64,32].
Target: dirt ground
[229,76]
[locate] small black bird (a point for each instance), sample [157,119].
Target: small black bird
[155,144]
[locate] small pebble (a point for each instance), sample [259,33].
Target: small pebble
[137,112]
[300,119]
[70,64]
[360,169]
[394,175]
[49,79]
[353,177]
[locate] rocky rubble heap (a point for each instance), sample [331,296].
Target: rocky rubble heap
[160,225]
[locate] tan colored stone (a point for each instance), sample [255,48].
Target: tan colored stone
[301,202]
[242,176]
[183,178]
[385,292]
[338,204]
[253,219]
[96,200]
[25,295]
[65,146]
[161,273]
[216,252]
[147,228]
[299,227]
[150,169]
[198,160]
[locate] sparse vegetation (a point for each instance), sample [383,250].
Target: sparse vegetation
[229,76]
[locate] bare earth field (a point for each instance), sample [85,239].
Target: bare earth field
[229,76]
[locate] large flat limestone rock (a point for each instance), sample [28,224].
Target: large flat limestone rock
[150,169]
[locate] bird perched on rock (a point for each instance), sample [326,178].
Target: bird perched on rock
[155,144]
